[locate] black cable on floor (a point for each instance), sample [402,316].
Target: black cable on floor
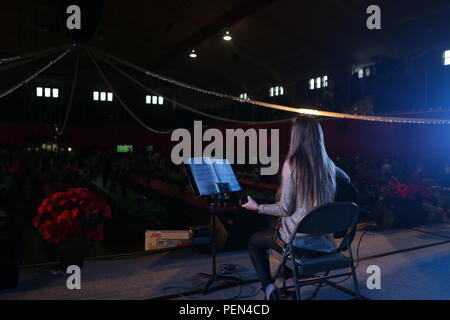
[224,269]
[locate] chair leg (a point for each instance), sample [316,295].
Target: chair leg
[296,278]
[316,291]
[355,282]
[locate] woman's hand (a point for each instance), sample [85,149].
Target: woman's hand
[250,204]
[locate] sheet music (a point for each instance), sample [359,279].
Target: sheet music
[204,175]
[208,172]
[225,173]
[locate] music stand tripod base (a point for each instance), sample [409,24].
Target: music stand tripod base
[209,287]
[214,277]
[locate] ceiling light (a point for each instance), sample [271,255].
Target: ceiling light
[227,36]
[193,55]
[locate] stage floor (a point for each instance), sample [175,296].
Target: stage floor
[414,263]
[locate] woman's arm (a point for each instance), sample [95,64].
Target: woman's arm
[286,205]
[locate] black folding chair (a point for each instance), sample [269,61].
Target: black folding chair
[338,218]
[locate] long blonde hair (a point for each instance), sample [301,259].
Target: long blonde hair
[315,172]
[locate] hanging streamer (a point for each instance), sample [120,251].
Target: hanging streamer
[33,54]
[305,111]
[34,75]
[22,62]
[72,92]
[108,84]
[183,106]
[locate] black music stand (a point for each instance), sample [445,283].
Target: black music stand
[216,200]
[218,193]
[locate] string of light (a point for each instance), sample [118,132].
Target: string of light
[19,63]
[33,54]
[34,75]
[131,113]
[305,111]
[72,92]
[181,105]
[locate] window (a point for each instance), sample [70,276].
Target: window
[364,70]
[154,100]
[102,96]
[317,83]
[276,91]
[360,73]
[446,57]
[47,92]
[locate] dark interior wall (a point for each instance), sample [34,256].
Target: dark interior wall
[343,138]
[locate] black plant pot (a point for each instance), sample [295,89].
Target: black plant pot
[71,251]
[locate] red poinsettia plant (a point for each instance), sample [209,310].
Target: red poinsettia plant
[397,190]
[72,213]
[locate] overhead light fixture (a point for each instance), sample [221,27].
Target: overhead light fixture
[227,36]
[193,55]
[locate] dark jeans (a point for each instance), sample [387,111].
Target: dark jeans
[258,244]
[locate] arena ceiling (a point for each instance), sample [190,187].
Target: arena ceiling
[274,41]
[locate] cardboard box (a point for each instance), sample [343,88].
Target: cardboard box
[163,239]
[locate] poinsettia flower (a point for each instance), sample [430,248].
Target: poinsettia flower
[41,209]
[62,214]
[36,221]
[75,213]
[62,217]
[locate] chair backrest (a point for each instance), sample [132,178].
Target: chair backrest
[335,217]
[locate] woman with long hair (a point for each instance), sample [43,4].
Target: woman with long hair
[308,180]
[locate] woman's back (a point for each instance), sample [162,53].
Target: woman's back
[308,181]
[292,209]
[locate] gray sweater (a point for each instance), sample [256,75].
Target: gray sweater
[291,213]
